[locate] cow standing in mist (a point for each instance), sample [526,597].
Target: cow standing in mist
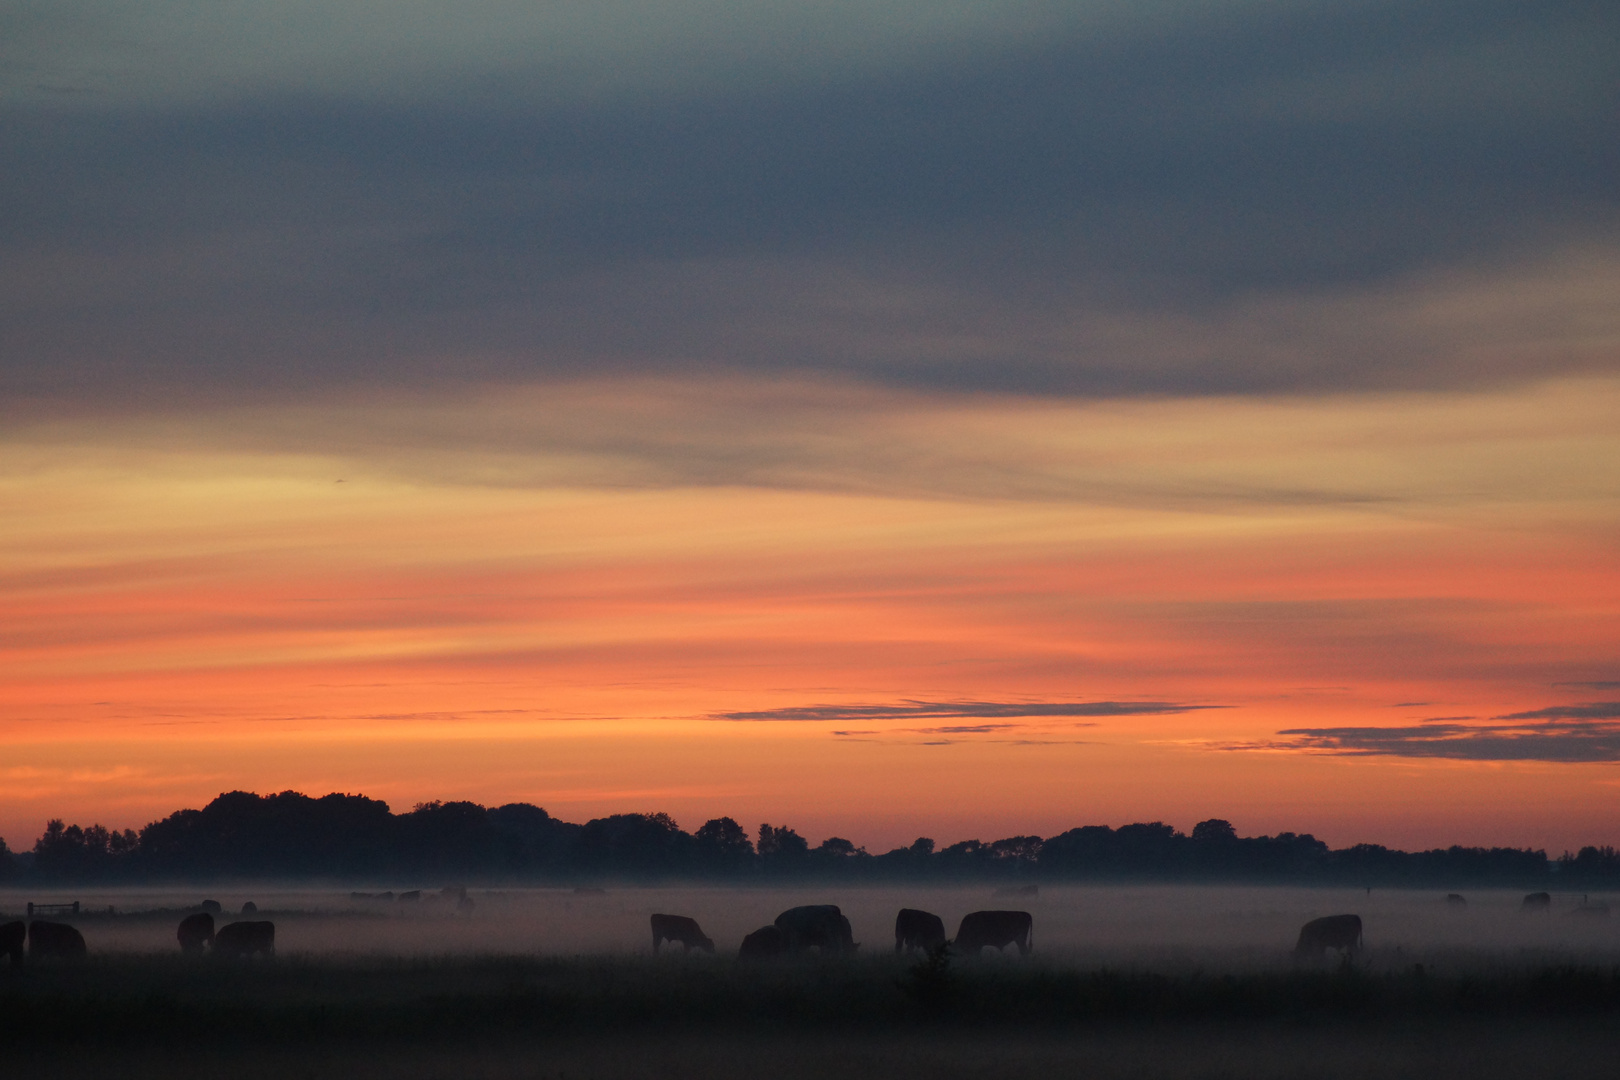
[997,929]
[54,939]
[766,942]
[245,938]
[679,928]
[1329,932]
[195,932]
[817,926]
[1537,901]
[915,929]
[12,936]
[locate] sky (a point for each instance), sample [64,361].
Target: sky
[885,418]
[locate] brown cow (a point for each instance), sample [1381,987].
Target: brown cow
[915,929]
[679,928]
[1330,932]
[245,939]
[12,936]
[997,929]
[195,931]
[765,942]
[817,926]
[54,939]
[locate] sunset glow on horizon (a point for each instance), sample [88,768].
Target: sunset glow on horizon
[926,618]
[886,419]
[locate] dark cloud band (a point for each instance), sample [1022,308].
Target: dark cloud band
[939,710]
[1587,732]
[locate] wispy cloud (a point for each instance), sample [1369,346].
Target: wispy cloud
[1588,732]
[1592,710]
[944,710]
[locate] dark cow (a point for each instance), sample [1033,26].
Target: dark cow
[816,926]
[997,929]
[250,908]
[915,929]
[1456,900]
[195,931]
[12,936]
[211,906]
[1329,932]
[54,939]
[679,928]
[765,942]
[245,939]
[1537,901]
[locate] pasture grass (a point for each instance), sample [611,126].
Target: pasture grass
[130,999]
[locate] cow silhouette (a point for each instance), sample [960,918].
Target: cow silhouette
[765,942]
[1536,901]
[1456,900]
[12,936]
[195,931]
[240,939]
[1329,932]
[679,928]
[915,929]
[817,926]
[54,939]
[996,929]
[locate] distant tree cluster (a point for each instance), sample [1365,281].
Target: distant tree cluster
[241,835]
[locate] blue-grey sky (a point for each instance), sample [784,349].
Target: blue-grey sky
[281,199]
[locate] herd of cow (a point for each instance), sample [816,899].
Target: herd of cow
[825,928]
[822,927]
[196,934]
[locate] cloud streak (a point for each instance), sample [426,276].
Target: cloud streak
[1566,733]
[931,710]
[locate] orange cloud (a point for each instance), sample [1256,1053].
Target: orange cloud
[562,617]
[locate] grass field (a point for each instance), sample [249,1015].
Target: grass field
[1124,983]
[158,1015]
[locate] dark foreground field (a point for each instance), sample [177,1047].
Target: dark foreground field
[677,1016]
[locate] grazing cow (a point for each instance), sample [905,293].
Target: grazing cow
[915,929]
[679,928]
[12,936]
[765,942]
[195,932]
[1537,901]
[997,929]
[1456,900]
[1329,932]
[817,926]
[54,939]
[211,906]
[251,908]
[245,939]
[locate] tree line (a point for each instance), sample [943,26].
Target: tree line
[242,836]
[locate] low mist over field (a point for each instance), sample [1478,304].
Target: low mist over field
[1155,927]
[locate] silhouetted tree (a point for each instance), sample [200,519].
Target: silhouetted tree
[722,847]
[72,853]
[635,845]
[781,850]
